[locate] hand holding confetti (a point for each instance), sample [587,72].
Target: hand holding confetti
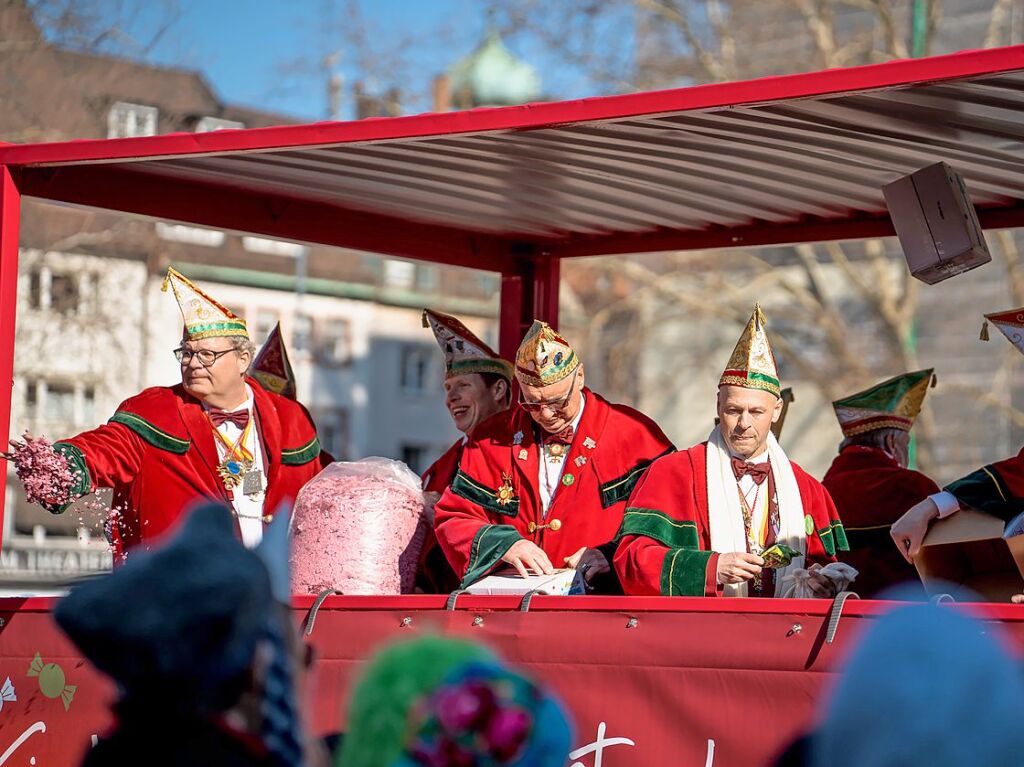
[43,471]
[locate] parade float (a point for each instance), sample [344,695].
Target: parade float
[800,158]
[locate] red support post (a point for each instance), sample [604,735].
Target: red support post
[10,213]
[529,291]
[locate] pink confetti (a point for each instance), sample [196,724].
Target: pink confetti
[43,471]
[358,528]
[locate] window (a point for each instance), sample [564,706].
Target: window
[332,428]
[31,398]
[302,332]
[191,235]
[335,342]
[266,319]
[274,247]
[426,277]
[63,294]
[399,274]
[88,405]
[413,457]
[35,288]
[127,120]
[415,367]
[60,403]
[207,124]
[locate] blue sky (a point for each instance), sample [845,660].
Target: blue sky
[267,53]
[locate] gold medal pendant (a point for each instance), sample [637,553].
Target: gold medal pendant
[556,449]
[232,471]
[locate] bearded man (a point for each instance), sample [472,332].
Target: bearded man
[217,435]
[699,520]
[545,484]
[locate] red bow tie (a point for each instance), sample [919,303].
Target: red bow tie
[563,437]
[757,471]
[239,418]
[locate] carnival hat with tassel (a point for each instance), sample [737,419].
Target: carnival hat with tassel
[463,351]
[204,317]
[752,364]
[892,404]
[1010,324]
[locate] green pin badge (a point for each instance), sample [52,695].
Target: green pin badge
[568,479]
[809,524]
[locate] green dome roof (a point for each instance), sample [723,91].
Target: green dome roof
[492,76]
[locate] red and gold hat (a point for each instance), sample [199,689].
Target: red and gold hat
[1010,324]
[544,357]
[463,351]
[204,317]
[752,364]
[272,368]
[892,404]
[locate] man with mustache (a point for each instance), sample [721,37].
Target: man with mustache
[544,485]
[217,435]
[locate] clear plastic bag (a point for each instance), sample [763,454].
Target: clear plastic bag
[358,527]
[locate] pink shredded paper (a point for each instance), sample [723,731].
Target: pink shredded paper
[43,472]
[358,528]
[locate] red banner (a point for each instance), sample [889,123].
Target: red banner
[651,681]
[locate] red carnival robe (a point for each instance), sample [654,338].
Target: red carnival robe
[434,575]
[996,489]
[158,454]
[477,521]
[665,540]
[871,491]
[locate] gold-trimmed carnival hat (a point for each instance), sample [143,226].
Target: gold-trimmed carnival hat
[463,352]
[752,364]
[892,404]
[1010,324]
[544,357]
[204,317]
[272,368]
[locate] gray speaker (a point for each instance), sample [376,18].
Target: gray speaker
[936,223]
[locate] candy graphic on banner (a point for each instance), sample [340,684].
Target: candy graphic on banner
[7,693]
[52,681]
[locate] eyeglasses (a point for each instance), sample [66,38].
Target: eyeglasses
[553,406]
[206,357]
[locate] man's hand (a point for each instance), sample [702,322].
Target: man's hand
[820,585]
[526,555]
[738,567]
[591,561]
[909,530]
[1017,599]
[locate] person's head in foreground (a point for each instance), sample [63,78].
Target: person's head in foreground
[194,636]
[550,377]
[215,351]
[748,392]
[928,685]
[477,383]
[435,702]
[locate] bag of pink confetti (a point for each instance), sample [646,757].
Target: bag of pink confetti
[358,527]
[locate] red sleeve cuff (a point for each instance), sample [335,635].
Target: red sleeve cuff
[712,588]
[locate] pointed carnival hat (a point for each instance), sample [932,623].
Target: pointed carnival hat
[463,351]
[271,366]
[544,357]
[1010,324]
[204,317]
[752,364]
[892,404]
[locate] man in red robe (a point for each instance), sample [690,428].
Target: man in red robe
[996,489]
[217,435]
[869,480]
[544,485]
[699,520]
[477,385]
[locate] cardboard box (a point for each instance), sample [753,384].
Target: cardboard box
[969,548]
[936,223]
[559,583]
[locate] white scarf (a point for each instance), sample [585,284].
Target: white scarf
[725,517]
